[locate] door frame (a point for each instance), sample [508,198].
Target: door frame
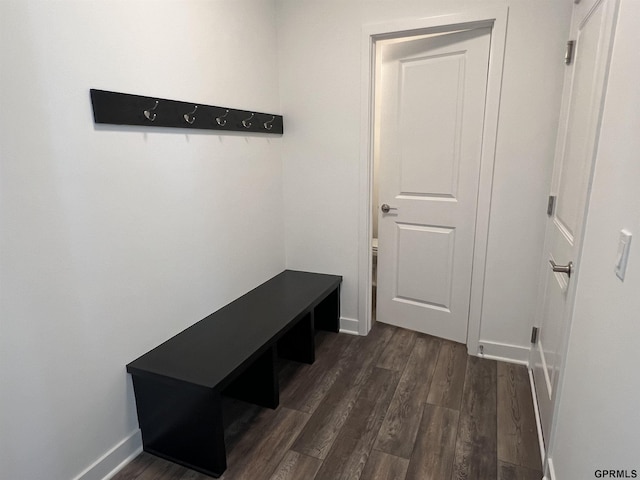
[496,18]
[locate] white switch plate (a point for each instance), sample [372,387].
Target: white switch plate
[624,244]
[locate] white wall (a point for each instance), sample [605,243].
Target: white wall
[598,426]
[320,72]
[115,238]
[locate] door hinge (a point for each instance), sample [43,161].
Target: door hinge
[568,53]
[534,335]
[551,205]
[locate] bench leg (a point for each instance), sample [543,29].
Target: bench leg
[258,383]
[182,424]
[327,312]
[298,343]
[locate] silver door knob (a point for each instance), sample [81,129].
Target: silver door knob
[562,268]
[386,208]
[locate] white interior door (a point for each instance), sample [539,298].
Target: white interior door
[577,142]
[430,114]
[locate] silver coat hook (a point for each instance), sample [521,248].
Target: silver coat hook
[221,120]
[246,123]
[269,124]
[190,117]
[148,113]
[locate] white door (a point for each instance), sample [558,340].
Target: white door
[575,152]
[430,113]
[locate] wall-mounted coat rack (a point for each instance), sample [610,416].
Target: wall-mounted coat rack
[125,109]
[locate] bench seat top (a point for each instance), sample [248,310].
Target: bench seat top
[208,351]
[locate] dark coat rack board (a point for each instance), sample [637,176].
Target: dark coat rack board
[125,109]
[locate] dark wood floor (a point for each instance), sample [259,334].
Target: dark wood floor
[392,405]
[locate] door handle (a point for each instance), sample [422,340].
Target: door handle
[568,268]
[386,208]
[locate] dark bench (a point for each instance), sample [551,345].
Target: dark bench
[178,385]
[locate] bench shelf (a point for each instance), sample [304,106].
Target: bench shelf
[233,352]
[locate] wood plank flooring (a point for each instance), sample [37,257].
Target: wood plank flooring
[394,405]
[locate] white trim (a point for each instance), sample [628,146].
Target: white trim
[502,352]
[365,262]
[349,325]
[115,459]
[536,412]
[551,472]
[497,16]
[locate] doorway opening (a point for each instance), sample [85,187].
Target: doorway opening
[399,36]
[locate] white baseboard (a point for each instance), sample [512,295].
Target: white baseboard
[504,352]
[536,412]
[115,459]
[349,325]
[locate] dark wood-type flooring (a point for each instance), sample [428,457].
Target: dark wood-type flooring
[392,405]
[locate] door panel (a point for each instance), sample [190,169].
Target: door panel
[429,144]
[577,142]
[430,116]
[573,169]
[437,246]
